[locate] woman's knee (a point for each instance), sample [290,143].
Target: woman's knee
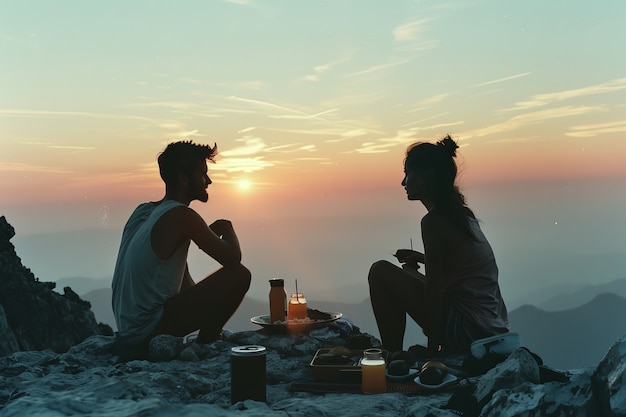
[378,271]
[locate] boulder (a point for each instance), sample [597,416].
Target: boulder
[34,316]
[608,381]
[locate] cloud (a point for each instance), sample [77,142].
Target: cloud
[531,118]
[540,100]
[240,2]
[173,105]
[436,116]
[303,117]
[501,80]
[318,70]
[251,146]
[51,145]
[72,148]
[382,67]
[409,37]
[436,99]
[54,113]
[382,145]
[586,131]
[409,31]
[264,104]
[31,168]
[244,85]
[294,113]
[237,164]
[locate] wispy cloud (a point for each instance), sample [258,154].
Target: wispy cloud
[320,69]
[32,168]
[540,100]
[436,116]
[501,80]
[51,145]
[382,67]
[241,164]
[293,113]
[172,105]
[531,118]
[240,2]
[250,146]
[264,104]
[410,36]
[244,85]
[409,31]
[72,148]
[382,145]
[436,98]
[55,113]
[586,131]
[303,116]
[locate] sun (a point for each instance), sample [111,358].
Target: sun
[244,185]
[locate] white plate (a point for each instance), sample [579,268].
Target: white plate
[447,380]
[294,326]
[411,375]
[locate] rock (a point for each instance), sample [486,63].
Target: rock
[519,368]
[8,342]
[608,381]
[37,317]
[165,347]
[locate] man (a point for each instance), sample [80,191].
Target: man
[153,292]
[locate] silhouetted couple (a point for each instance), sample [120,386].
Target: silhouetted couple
[457,301]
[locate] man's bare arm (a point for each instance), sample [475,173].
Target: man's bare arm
[219,240]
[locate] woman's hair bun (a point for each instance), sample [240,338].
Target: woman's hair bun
[449,145]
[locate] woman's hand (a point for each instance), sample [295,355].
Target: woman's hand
[410,257]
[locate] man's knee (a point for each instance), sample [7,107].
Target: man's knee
[242,276]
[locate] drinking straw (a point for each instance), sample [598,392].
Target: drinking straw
[297,298]
[411,240]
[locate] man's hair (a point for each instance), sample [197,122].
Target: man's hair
[182,157]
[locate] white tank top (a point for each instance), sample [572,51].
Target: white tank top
[142,282]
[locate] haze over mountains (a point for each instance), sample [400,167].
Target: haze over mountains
[590,320]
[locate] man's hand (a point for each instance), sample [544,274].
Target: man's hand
[221,227]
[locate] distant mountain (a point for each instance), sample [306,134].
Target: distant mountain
[83,285]
[101,306]
[572,338]
[578,295]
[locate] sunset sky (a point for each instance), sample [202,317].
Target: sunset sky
[312,105]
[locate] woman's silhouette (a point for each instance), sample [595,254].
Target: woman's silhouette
[458,299]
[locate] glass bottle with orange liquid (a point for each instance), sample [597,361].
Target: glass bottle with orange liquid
[297,307]
[373,379]
[278,300]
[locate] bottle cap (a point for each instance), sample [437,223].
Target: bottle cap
[277,282]
[248,350]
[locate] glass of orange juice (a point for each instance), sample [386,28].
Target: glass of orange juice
[297,307]
[373,379]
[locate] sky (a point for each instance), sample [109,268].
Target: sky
[312,105]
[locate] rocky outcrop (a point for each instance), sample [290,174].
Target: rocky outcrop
[32,315]
[189,379]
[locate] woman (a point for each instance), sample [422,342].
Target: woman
[458,300]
